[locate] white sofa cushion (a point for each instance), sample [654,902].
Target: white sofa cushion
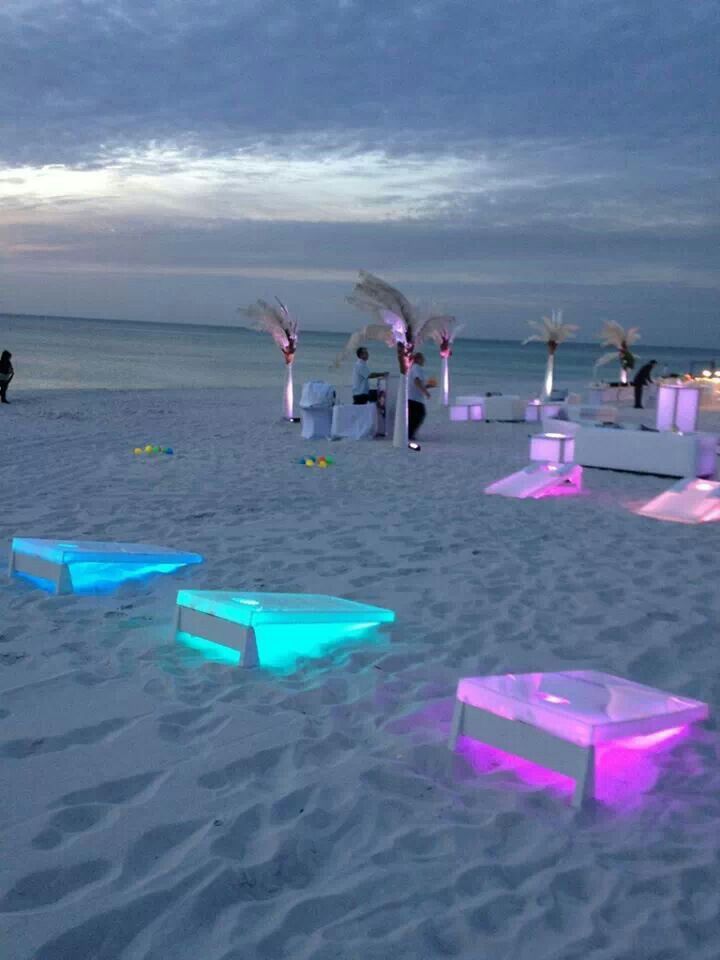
[645,451]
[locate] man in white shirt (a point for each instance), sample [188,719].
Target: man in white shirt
[361,378]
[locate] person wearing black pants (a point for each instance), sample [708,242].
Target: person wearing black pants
[642,378]
[417,394]
[6,374]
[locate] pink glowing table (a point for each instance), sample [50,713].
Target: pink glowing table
[558,719]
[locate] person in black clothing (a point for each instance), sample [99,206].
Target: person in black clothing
[6,374]
[642,378]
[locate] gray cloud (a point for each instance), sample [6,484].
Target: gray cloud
[586,133]
[79,74]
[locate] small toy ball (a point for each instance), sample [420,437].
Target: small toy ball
[156,449]
[309,462]
[137,450]
[169,451]
[322,465]
[329,461]
[148,448]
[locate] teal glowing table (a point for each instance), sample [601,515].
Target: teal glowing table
[86,566]
[271,629]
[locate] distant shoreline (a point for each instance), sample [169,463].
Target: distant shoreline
[706,350]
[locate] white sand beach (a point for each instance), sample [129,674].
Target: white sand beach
[157,805]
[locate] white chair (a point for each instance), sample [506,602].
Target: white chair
[316,406]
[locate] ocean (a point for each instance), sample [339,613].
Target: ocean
[53,353]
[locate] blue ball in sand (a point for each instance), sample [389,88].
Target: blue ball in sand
[169,451]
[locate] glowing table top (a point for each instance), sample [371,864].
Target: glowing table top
[586,707]
[100,551]
[256,609]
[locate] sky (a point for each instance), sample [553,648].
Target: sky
[174,160]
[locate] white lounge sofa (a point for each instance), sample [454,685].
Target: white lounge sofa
[645,451]
[504,408]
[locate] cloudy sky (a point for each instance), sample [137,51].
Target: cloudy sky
[174,159]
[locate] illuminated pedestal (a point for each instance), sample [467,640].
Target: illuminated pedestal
[537,410]
[552,447]
[557,720]
[677,408]
[467,408]
[273,629]
[688,501]
[87,566]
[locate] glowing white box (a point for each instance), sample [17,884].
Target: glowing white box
[89,565]
[677,407]
[264,627]
[459,412]
[462,412]
[552,447]
[558,719]
[537,410]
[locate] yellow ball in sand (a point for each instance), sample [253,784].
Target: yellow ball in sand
[148,448]
[322,464]
[309,463]
[137,450]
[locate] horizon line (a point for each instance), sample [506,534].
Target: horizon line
[232,326]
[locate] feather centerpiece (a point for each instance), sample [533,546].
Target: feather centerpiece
[615,335]
[284,329]
[551,331]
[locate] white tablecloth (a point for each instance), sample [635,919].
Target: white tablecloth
[356,421]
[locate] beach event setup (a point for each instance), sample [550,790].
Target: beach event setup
[563,720]
[87,566]
[553,471]
[268,629]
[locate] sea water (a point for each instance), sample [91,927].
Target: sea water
[52,353]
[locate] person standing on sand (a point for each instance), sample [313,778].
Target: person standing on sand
[361,377]
[418,393]
[642,378]
[6,374]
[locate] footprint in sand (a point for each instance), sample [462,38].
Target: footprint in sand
[46,887]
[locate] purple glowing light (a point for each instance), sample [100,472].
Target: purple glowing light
[625,770]
[553,698]
[677,407]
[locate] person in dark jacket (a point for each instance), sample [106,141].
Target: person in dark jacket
[6,374]
[642,378]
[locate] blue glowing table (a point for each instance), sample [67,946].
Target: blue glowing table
[265,627]
[558,720]
[86,565]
